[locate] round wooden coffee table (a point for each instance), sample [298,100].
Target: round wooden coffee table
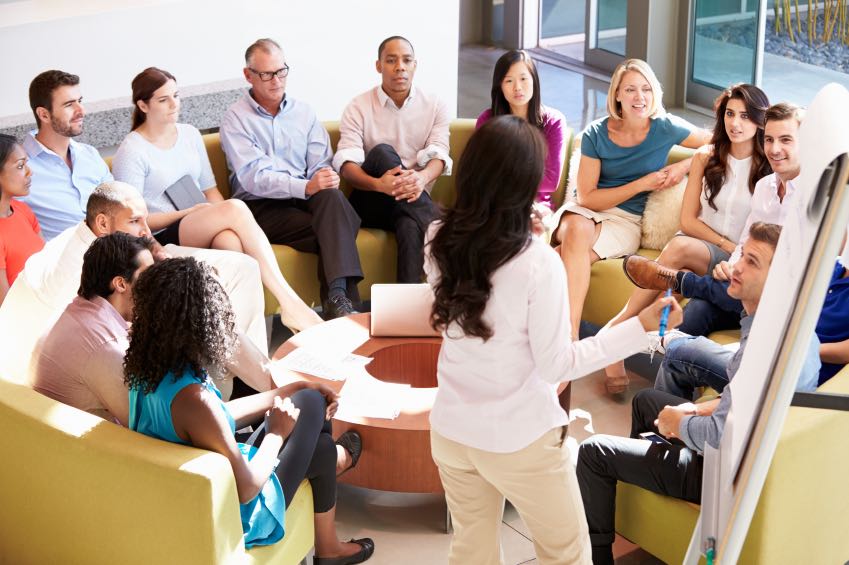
[396,453]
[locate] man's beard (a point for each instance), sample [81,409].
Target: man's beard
[66,130]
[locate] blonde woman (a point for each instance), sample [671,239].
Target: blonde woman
[623,159]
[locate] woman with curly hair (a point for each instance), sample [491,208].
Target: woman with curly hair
[717,199]
[497,428]
[182,325]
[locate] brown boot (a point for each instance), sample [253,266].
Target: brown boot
[649,274]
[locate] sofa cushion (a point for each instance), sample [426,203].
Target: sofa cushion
[806,472]
[609,289]
[377,258]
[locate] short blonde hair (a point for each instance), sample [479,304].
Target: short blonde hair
[614,108]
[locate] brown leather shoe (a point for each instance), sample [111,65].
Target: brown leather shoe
[646,273]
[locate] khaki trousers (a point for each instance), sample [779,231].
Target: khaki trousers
[538,480]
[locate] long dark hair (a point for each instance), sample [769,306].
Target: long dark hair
[144,85]
[756,103]
[182,319]
[500,106]
[497,179]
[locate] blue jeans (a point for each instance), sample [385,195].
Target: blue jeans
[710,308]
[690,363]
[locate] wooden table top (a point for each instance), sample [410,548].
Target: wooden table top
[351,334]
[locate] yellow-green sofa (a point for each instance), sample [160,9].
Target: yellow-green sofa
[376,247]
[78,489]
[802,513]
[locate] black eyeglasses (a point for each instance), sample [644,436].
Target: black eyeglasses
[266,76]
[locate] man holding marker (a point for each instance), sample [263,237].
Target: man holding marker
[674,468]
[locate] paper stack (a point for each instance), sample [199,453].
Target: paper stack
[364,396]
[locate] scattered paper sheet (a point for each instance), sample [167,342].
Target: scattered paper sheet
[364,396]
[331,365]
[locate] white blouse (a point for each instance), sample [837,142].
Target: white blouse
[733,202]
[501,395]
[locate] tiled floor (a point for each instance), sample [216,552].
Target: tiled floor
[410,528]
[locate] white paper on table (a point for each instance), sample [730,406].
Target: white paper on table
[364,396]
[331,365]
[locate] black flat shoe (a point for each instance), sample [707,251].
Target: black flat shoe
[353,444]
[366,549]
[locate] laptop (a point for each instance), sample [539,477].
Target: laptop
[184,193]
[401,310]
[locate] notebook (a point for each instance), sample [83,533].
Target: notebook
[401,310]
[184,193]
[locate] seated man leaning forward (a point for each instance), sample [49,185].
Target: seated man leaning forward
[675,469]
[279,157]
[393,145]
[692,362]
[82,360]
[710,307]
[51,278]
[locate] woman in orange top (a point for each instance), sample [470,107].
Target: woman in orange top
[20,234]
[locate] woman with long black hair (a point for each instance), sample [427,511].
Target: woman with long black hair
[501,302]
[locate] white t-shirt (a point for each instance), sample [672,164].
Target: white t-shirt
[151,169]
[501,395]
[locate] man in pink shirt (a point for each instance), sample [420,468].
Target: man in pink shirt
[78,360]
[393,145]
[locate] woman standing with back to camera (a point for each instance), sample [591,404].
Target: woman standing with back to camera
[497,428]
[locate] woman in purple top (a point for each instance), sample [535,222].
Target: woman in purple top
[516,90]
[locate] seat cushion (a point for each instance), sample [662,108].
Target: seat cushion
[378,258]
[609,289]
[660,524]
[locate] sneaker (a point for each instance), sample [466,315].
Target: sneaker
[659,344]
[337,307]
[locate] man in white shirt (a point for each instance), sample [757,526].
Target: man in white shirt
[710,307]
[393,145]
[51,278]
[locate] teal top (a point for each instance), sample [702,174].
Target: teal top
[621,165]
[150,414]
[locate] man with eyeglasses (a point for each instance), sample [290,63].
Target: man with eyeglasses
[393,145]
[279,156]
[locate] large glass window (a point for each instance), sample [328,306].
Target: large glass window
[562,25]
[788,60]
[611,26]
[724,43]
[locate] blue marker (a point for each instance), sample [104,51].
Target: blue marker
[664,315]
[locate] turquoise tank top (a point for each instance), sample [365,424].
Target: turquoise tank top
[621,165]
[150,414]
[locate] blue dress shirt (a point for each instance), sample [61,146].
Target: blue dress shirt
[273,156]
[58,195]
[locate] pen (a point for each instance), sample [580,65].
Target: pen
[664,315]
